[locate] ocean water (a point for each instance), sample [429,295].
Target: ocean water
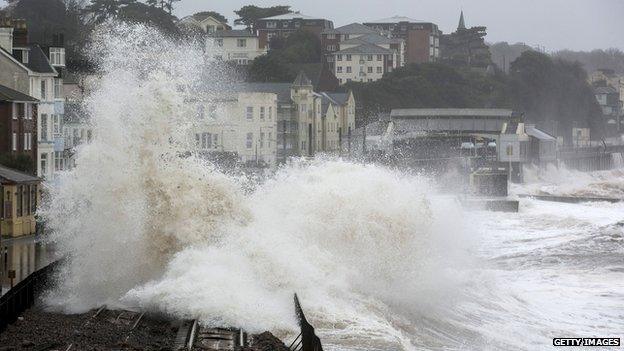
[379,258]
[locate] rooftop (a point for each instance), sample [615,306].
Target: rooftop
[38,61]
[8,175]
[372,38]
[8,94]
[365,48]
[451,112]
[290,16]
[234,33]
[396,19]
[605,90]
[353,28]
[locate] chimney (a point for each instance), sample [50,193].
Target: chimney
[6,34]
[20,33]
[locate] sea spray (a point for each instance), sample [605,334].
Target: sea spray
[144,223]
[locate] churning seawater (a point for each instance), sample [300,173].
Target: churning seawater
[379,259]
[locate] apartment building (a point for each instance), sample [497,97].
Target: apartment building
[363,63]
[356,34]
[238,46]
[240,123]
[283,25]
[18,126]
[422,39]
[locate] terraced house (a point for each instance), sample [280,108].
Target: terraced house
[37,71]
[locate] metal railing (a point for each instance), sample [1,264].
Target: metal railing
[22,296]
[307,339]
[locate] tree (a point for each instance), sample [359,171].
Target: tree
[101,10]
[554,92]
[248,15]
[165,5]
[141,13]
[298,48]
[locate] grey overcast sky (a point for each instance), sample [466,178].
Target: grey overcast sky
[554,24]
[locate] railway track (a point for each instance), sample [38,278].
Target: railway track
[192,336]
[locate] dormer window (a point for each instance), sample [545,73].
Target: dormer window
[57,56]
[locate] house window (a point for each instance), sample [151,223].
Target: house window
[369,69]
[44,164]
[249,142]
[43,90]
[271,24]
[262,140]
[206,141]
[331,36]
[20,204]
[348,69]
[379,70]
[29,111]
[58,161]
[241,43]
[379,57]
[249,112]
[58,88]
[25,145]
[270,112]
[57,56]
[262,112]
[339,57]
[369,57]
[339,69]
[348,57]
[25,56]
[331,47]
[370,80]
[14,142]
[44,127]
[200,111]
[509,150]
[56,124]
[346,36]
[285,24]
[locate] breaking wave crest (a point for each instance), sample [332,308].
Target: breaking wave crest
[147,224]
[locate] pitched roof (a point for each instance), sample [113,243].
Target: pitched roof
[8,94]
[396,19]
[290,16]
[38,61]
[353,28]
[234,33]
[364,49]
[281,89]
[9,175]
[605,90]
[302,80]
[372,38]
[337,99]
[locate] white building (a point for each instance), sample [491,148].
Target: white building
[363,63]
[239,46]
[203,22]
[243,123]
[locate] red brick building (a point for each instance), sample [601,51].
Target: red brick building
[283,25]
[422,39]
[18,125]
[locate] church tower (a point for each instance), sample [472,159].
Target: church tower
[462,24]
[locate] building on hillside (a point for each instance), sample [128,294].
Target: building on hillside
[422,39]
[286,120]
[609,100]
[363,63]
[466,47]
[203,22]
[37,71]
[19,196]
[238,46]
[283,25]
[239,123]
[76,129]
[18,126]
